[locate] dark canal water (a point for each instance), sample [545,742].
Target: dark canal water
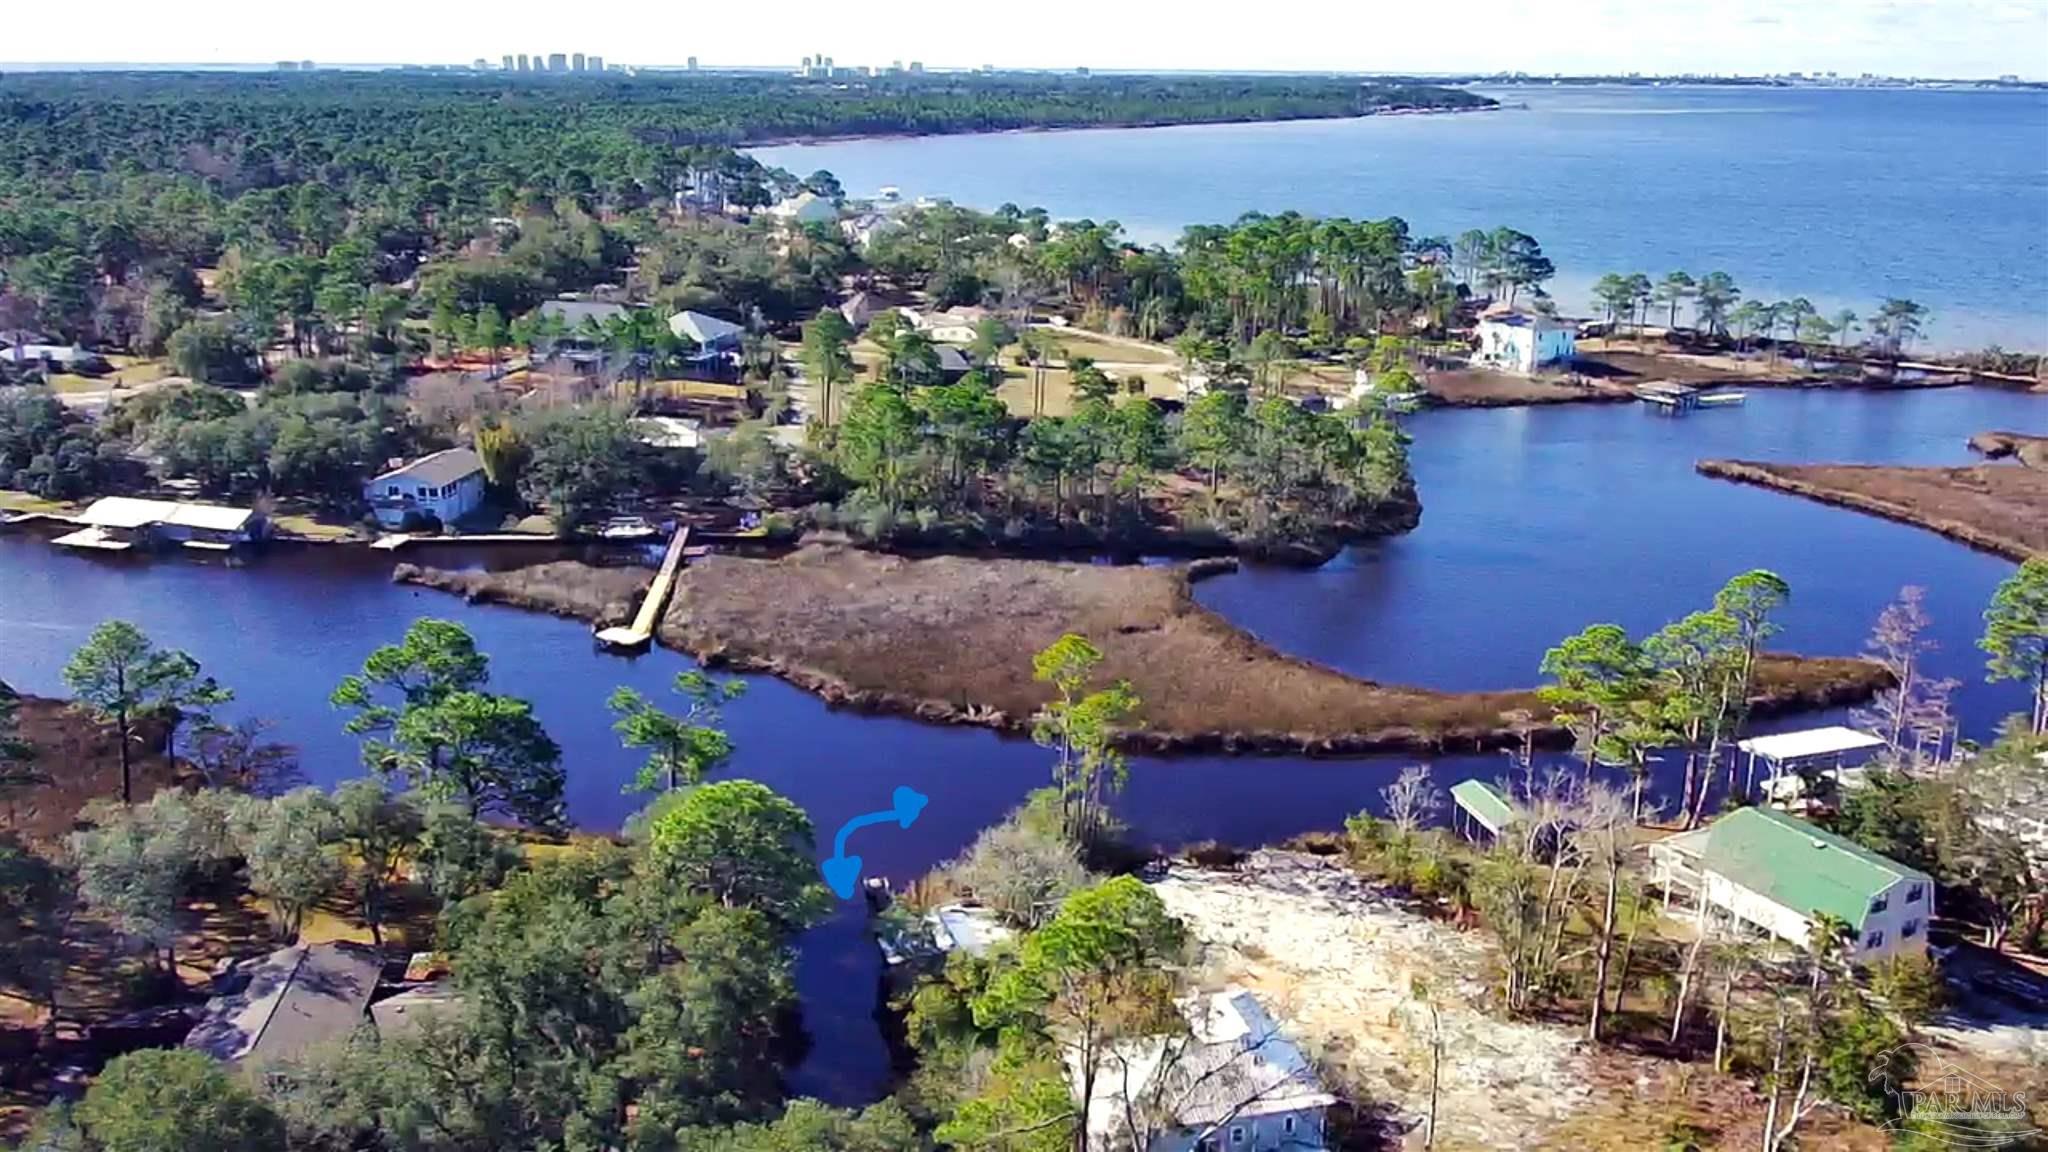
[1537,522]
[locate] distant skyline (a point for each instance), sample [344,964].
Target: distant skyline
[1935,38]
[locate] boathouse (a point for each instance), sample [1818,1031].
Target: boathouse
[1774,872]
[1790,759]
[1477,807]
[120,523]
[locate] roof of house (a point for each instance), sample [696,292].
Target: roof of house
[1529,320]
[1834,740]
[704,329]
[1484,802]
[951,359]
[575,312]
[128,512]
[1799,866]
[403,1014]
[1234,1062]
[957,927]
[292,1001]
[444,467]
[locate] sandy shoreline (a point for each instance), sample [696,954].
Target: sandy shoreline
[949,640]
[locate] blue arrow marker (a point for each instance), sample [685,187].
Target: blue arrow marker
[842,872]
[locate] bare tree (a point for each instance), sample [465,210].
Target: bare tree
[1605,836]
[1913,715]
[1412,799]
[1793,1031]
[239,759]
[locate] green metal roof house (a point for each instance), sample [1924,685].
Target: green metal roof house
[1775,872]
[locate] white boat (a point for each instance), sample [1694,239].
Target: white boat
[627,528]
[1720,399]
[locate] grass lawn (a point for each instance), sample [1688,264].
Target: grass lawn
[1107,350]
[129,371]
[309,528]
[12,501]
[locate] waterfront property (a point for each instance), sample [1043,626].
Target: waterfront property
[283,1006]
[444,487]
[119,523]
[1234,1083]
[1774,873]
[1524,342]
[1477,807]
[804,208]
[1792,758]
[909,944]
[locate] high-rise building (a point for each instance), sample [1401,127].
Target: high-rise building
[479,65]
[525,64]
[917,67]
[558,62]
[692,64]
[576,62]
[507,63]
[597,63]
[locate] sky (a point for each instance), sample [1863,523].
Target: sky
[1948,38]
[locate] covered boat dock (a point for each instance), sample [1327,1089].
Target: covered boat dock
[1477,806]
[1791,757]
[121,523]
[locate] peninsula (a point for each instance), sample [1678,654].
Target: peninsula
[2000,508]
[950,640]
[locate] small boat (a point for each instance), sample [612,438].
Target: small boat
[627,528]
[1720,399]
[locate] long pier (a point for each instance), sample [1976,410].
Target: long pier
[641,632]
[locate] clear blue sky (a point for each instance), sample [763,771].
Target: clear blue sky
[1902,37]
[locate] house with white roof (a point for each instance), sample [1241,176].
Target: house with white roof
[118,523]
[949,326]
[445,486]
[1233,1083]
[805,208]
[1774,873]
[1523,342]
[1790,759]
[707,332]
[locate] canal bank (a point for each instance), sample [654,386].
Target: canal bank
[1538,523]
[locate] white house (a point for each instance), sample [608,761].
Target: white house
[951,326]
[445,486]
[1234,1083]
[707,332]
[1523,343]
[1775,872]
[805,208]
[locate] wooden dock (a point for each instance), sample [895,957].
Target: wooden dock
[641,632]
